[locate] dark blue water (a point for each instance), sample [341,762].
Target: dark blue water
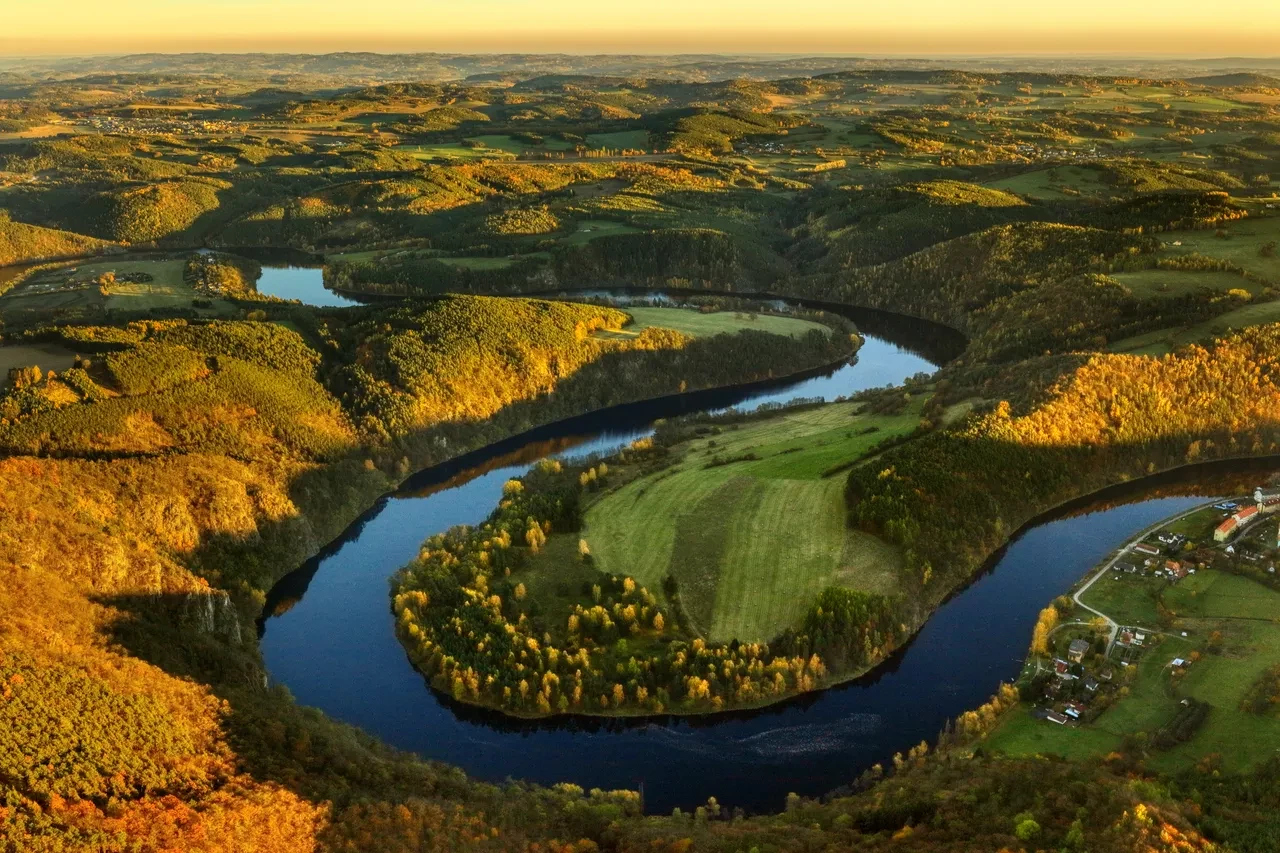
[330,639]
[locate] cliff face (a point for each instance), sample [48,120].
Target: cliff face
[211,614]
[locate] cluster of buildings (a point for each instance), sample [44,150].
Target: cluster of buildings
[162,126]
[1072,690]
[1241,518]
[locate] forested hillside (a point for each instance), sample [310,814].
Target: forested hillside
[20,243]
[951,497]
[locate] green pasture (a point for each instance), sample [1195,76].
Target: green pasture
[1199,525]
[751,542]
[1156,283]
[1128,599]
[452,151]
[1049,184]
[1166,340]
[478,263]
[511,145]
[696,324]
[1243,244]
[590,229]
[634,139]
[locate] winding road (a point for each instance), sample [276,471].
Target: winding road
[1111,561]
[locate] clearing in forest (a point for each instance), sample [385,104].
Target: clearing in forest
[746,523]
[699,325]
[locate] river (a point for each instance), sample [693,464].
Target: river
[328,636]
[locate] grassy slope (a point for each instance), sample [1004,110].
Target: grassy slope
[1155,283]
[696,324]
[1048,184]
[756,539]
[1243,247]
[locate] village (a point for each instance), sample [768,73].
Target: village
[1124,624]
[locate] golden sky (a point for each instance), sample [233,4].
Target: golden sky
[920,27]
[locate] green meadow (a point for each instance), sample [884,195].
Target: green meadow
[697,324]
[751,542]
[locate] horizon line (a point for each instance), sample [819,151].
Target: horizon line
[1063,54]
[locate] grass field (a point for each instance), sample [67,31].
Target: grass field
[478,263]
[1167,340]
[1245,613]
[1242,245]
[750,543]
[1149,284]
[71,287]
[699,325]
[45,356]
[1049,183]
[502,142]
[620,139]
[590,229]
[453,151]
[1129,599]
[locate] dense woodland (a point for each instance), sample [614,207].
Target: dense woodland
[201,445]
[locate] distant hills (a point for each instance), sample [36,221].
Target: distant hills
[275,69]
[1243,78]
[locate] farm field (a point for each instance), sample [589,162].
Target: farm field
[1151,284]
[1049,184]
[478,263]
[751,542]
[1166,340]
[511,145]
[1129,599]
[1243,244]
[696,324]
[452,151]
[619,139]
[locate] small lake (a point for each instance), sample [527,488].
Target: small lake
[293,274]
[305,284]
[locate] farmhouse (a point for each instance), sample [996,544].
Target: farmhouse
[1147,548]
[1055,717]
[1077,650]
[1125,567]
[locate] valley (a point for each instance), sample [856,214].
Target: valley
[725,437]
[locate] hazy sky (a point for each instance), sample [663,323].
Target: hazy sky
[1164,27]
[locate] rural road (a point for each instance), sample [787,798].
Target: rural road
[1120,552]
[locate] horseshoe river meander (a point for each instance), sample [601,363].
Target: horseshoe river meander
[329,634]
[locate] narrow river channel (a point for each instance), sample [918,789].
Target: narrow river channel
[328,636]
